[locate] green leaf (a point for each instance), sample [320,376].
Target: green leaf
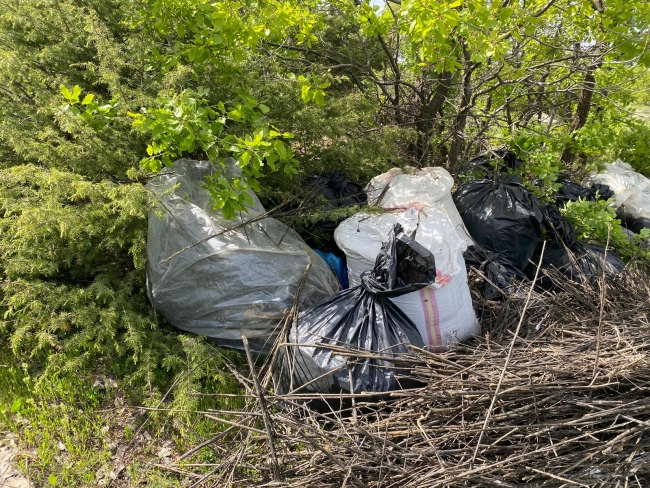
[280,148]
[88,99]
[264,109]
[15,406]
[244,158]
[505,14]
[52,479]
[65,92]
[247,199]
[304,93]
[319,98]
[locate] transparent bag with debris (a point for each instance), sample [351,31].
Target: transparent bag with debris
[225,278]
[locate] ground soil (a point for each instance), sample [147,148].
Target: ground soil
[10,477]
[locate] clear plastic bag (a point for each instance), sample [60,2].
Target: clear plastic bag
[240,282]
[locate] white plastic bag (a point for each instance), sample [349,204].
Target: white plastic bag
[241,282]
[422,203]
[631,189]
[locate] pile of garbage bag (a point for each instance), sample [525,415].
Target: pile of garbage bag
[507,222]
[225,278]
[405,259]
[325,351]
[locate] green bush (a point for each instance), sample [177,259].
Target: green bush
[596,223]
[634,146]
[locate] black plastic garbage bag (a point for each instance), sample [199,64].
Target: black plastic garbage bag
[639,224]
[580,263]
[502,217]
[604,191]
[572,192]
[339,191]
[357,320]
[557,226]
[505,158]
[628,221]
[502,278]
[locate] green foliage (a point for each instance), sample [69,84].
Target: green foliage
[541,155]
[73,267]
[596,222]
[633,145]
[48,43]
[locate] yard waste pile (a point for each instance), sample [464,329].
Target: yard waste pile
[225,278]
[631,192]
[330,342]
[555,395]
[420,201]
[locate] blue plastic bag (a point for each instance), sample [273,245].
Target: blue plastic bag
[338,266]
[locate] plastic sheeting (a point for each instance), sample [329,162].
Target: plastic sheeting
[502,217]
[358,320]
[631,189]
[240,282]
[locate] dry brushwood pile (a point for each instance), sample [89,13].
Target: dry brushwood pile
[556,393]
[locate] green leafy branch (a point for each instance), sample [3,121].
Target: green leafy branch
[95,115]
[188,125]
[596,222]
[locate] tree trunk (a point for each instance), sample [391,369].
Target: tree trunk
[582,110]
[460,121]
[428,115]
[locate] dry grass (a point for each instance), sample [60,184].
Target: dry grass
[563,402]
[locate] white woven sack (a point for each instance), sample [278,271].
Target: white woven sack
[443,315]
[426,187]
[422,203]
